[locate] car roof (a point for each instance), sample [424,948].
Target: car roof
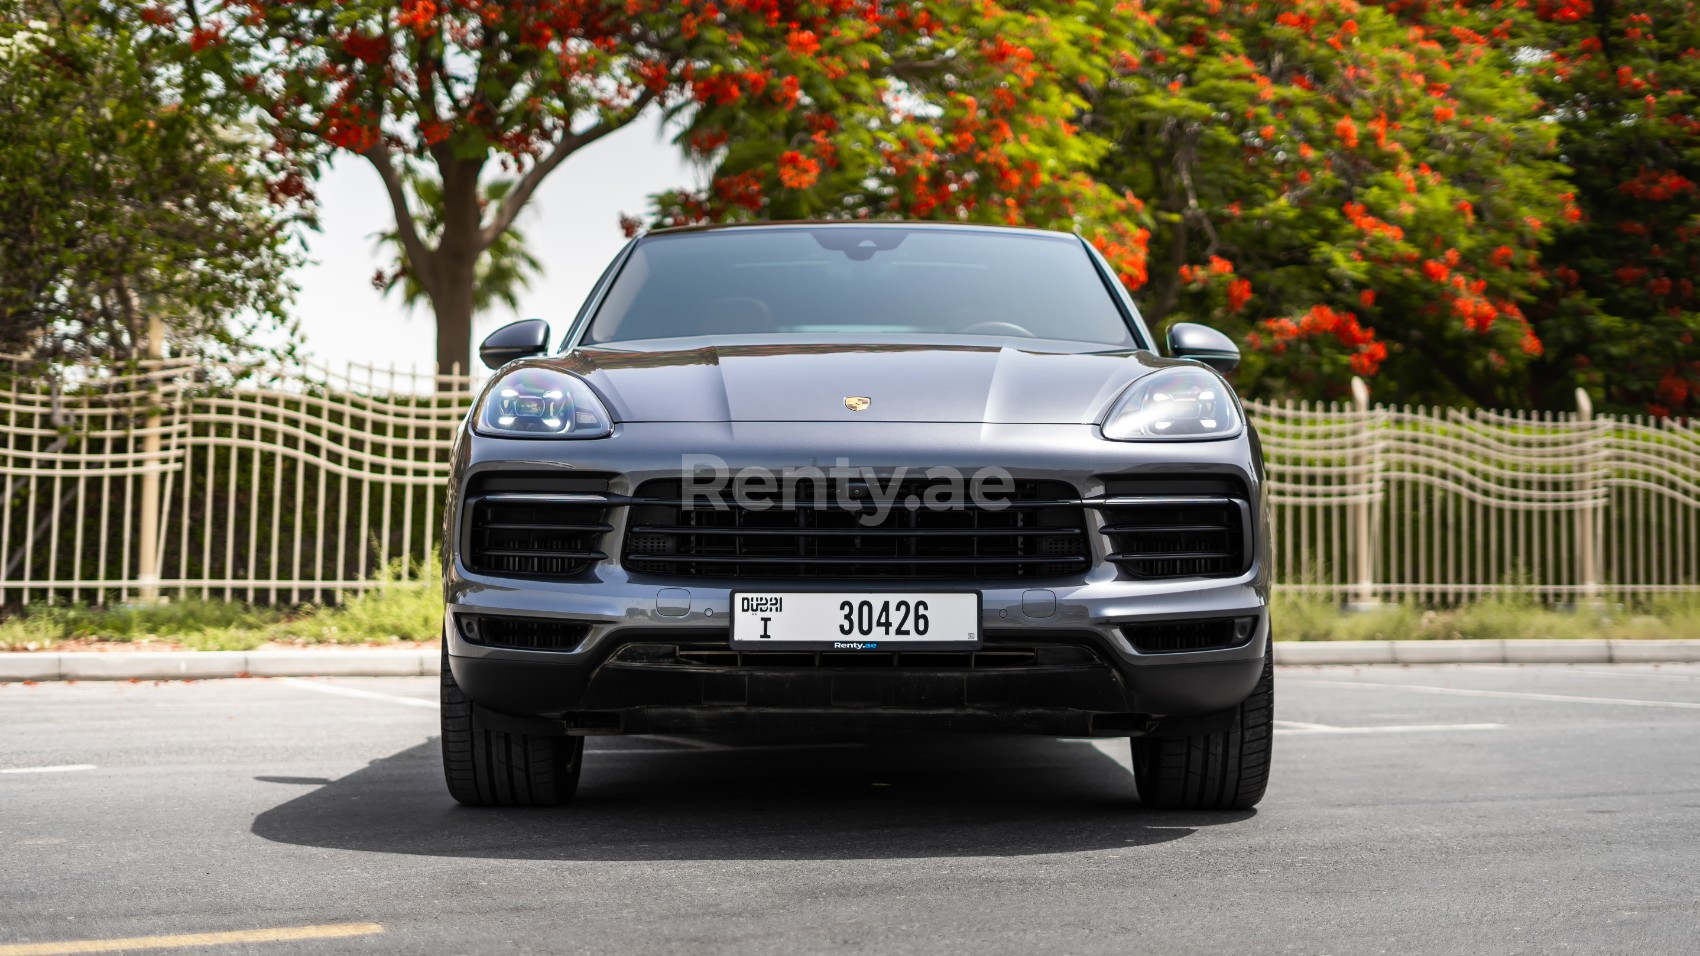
[859,224]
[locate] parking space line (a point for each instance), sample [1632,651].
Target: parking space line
[342,691]
[1504,694]
[61,768]
[279,935]
[1297,727]
[690,742]
[1631,674]
[1301,725]
[1115,748]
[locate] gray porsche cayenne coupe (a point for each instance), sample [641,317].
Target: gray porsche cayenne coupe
[857,478]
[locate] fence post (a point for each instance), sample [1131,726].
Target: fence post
[147,563]
[1588,558]
[1363,515]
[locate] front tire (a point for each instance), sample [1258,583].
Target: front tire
[491,768]
[1227,770]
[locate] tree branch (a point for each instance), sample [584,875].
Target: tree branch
[570,143]
[1185,156]
[406,227]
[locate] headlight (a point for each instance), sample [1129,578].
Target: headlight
[1175,404]
[542,403]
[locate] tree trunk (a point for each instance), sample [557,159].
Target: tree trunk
[452,303]
[456,261]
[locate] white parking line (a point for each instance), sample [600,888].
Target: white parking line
[342,691]
[1505,694]
[690,742]
[61,768]
[1297,727]
[283,934]
[1631,674]
[1115,748]
[683,744]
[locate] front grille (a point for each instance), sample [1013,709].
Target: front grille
[1039,533]
[1001,657]
[1170,528]
[523,633]
[1171,637]
[533,525]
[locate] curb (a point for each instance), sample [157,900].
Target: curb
[1487,652]
[203,665]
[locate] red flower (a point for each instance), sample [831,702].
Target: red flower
[1347,131]
[797,171]
[1239,293]
[1672,388]
[421,15]
[203,37]
[803,42]
[366,49]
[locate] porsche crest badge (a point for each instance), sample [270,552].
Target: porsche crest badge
[857,403]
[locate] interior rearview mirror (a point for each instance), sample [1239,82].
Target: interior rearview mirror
[1203,344]
[516,340]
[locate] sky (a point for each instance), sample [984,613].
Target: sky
[572,224]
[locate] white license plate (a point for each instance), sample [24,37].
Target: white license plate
[855,621]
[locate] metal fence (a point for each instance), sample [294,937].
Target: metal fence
[299,485]
[171,478]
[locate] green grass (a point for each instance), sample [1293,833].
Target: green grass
[394,610]
[398,610]
[1299,618]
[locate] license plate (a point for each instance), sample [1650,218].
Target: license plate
[855,621]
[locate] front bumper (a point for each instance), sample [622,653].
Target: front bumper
[594,687]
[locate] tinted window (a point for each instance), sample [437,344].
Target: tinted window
[859,281]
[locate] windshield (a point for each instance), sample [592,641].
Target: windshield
[860,281]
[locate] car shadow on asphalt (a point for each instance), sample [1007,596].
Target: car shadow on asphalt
[815,798]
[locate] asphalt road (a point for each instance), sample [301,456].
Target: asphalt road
[1452,809]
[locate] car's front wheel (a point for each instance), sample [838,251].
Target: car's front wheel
[1226,770]
[492,768]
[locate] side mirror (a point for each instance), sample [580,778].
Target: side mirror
[1204,344]
[516,340]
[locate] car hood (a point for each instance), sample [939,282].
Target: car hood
[982,380]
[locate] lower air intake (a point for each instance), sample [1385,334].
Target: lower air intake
[1175,637]
[523,633]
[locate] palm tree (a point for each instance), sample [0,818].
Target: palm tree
[504,270]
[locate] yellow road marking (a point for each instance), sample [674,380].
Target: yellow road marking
[279,935]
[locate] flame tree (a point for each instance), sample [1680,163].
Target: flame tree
[1622,81]
[470,87]
[1346,191]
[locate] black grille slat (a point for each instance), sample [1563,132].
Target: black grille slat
[527,525]
[1159,530]
[900,559]
[866,532]
[597,527]
[1175,556]
[1040,534]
